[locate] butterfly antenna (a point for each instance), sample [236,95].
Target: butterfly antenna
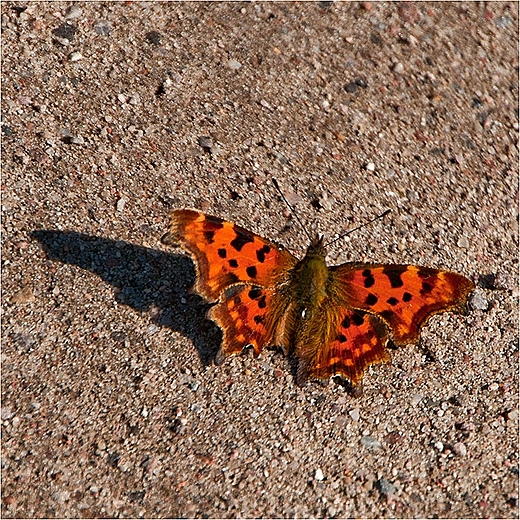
[359,227]
[293,211]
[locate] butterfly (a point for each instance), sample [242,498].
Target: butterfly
[335,321]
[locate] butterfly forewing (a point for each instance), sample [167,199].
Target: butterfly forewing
[404,296]
[227,254]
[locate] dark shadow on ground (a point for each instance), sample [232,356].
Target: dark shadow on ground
[145,279]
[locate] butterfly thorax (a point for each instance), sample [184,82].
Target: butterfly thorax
[310,276]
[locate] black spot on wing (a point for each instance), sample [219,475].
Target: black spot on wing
[254,293]
[392,301]
[233,263]
[407,297]
[341,338]
[237,300]
[358,319]
[371,299]
[346,322]
[393,274]
[259,318]
[210,226]
[241,239]
[222,253]
[209,235]
[260,253]
[369,278]
[251,271]
[261,302]
[427,288]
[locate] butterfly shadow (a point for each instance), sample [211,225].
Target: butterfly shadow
[145,279]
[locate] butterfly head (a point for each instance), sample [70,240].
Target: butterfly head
[317,246]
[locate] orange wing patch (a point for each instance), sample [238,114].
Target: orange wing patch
[226,254]
[404,296]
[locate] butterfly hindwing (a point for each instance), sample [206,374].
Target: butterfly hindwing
[226,254]
[342,342]
[404,296]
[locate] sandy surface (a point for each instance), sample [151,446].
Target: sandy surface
[113,114]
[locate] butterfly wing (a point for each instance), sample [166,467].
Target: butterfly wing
[227,254]
[250,315]
[404,296]
[340,342]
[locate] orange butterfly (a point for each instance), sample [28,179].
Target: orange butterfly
[333,320]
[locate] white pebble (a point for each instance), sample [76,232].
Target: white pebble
[439,445]
[479,301]
[416,399]
[463,242]
[121,204]
[74,12]
[398,68]
[76,56]
[234,64]
[319,475]
[460,449]
[354,414]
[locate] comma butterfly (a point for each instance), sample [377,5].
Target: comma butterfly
[335,321]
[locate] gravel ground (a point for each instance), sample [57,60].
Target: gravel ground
[115,113]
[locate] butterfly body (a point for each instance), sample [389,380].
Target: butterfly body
[334,320]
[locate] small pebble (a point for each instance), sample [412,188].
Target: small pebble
[6,412]
[370,443]
[370,167]
[398,68]
[102,28]
[463,242]
[341,421]
[75,56]
[206,143]
[61,496]
[154,37]
[77,140]
[513,415]
[194,385]
[439,445]
[459,448]
[319,475]
[479,302]
[234,64]
[354,414]
[416,399]
[73,13]
[121,204]
[385,487]
[196,408]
